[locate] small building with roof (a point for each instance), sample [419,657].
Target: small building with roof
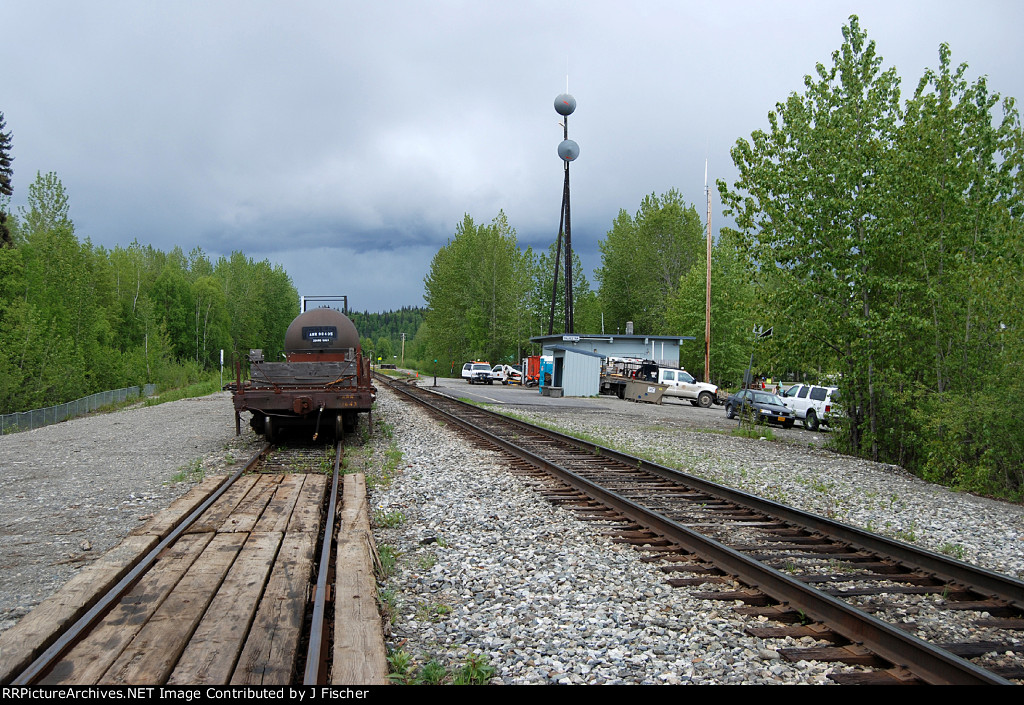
[577,357]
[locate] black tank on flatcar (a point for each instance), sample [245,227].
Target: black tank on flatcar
[321,387]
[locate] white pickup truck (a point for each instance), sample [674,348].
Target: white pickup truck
[678,383]
[681,383]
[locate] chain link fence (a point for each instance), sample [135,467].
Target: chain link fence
[27,420]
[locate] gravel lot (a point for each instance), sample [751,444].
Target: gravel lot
[75,489]
[484,564]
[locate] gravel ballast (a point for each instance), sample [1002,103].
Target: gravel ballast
[487,567]
[484,564]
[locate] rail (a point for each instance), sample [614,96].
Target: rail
[928,662]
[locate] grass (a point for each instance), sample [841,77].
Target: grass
[197,389]
[757,431]
[953,550]
[387,601]
[388,520]
[475,670]
[388,559]
[193,472]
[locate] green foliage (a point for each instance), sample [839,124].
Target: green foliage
[476,294]
[6,185]
[403,671]
[887,241]
[643,259]
[400,667]
[586,310]
[192,473]
[388,559]
[390,325]
[476,671]
[734,312]
[388,520]
[77,319]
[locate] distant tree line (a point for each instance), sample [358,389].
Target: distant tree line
[380,334]
[76,318]
[879,238]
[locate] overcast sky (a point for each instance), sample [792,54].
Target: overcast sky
[346,140]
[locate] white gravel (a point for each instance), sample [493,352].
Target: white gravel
[488,567]
[485,564]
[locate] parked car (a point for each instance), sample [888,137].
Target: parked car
[812,403]
[477,372]
[765,406]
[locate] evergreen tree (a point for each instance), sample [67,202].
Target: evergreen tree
[6,183]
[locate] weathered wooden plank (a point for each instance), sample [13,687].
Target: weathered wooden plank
[279,511]
[33,634]
[211,654]
[359,654]
[164,522]
[306,517]
[214,517]
[249,510]
[268,657]
[86,663]
[155,649]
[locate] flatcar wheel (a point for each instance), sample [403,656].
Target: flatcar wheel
[339,427]
[268,430]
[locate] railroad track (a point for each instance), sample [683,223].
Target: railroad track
[846,588]
[223,597]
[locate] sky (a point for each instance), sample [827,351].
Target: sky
[345,141]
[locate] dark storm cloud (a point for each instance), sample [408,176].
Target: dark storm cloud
[328,135]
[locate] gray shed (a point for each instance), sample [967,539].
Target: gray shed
[577,372]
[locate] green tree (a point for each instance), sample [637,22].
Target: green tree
[956,204]
[888,242]
[586,311]
[810,208]
[734,312]
[642,259]
[384,350]
[476,292]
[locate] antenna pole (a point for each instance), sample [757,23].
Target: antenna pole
[707,301]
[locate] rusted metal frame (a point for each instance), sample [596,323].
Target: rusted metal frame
[986,582]
[266,401]
[270,379]
[71,635]
[315,654]
[930,663]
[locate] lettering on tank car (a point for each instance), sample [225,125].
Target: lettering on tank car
[320,335]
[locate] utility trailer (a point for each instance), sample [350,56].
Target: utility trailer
[618,373]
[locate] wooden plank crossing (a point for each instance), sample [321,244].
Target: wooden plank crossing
[225,604]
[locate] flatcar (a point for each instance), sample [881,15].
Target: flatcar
[321,387]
